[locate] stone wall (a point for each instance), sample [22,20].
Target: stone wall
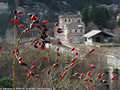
[114,70]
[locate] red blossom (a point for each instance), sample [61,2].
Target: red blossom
[93,66]
[92,50]
[76,74]
[56,24]
[21,26]
[57,48]
[41,47]
[33,17]
[13,51]
[66,62]
[36,42]
[33,67]
[76,53]
[36,76]
[113,78]
[88,87]
[85,79]
[99,76]
[41,83]
[44,22]
[73,49]
[13,21]
[0,48]
[54,65]
[88,74]
[58,54]
[43,70]
[20,62]
[90,80]
[59,31]
[82,75]
[72,64]
[29,75]
[38,26]
[73,60]
[44,58]
[94,85]
[19,12]
[18,19]
[26,70]
[34,63]
[62,75]
[67,68]
[103,74]
[17,53]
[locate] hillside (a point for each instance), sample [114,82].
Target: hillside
[46,9]
[59,5]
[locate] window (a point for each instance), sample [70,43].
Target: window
[81,31]
[69,20]
[75,30]
[85,39]
[65,20]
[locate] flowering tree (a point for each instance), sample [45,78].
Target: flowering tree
[58,74]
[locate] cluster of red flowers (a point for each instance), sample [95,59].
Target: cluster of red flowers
[0,48]
[41,43]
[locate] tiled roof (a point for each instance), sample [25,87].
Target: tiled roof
[69,15]
[91,33]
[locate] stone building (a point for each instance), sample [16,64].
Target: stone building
[97,36]
[72,26]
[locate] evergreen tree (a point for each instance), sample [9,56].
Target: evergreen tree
[54,5]
[99,16]
[85,15]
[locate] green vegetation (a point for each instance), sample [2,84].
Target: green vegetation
[85,15]
[98,15]
[5,82]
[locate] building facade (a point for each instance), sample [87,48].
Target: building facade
[72,26]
